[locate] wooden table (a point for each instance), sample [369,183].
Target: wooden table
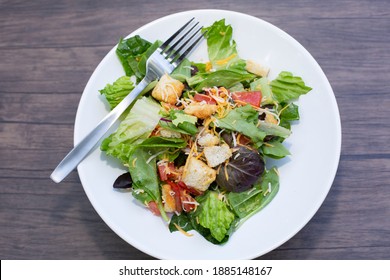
[49,49]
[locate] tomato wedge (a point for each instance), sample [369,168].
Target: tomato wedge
[250,97]
[154,208]
[166,171]
[176,189]
[203,97]
[187,201]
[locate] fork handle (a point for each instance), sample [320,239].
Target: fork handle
[81,150]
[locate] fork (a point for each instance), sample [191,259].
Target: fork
[163,61]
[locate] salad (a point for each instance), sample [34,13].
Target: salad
[196,141]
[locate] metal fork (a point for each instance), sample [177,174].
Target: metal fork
[163,61]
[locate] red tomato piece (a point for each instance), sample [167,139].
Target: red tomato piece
[203,97]
[250,97]
[154,208]
[167,171]
[188,202]
[176,189]
[189,189]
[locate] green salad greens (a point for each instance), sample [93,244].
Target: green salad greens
[196,142]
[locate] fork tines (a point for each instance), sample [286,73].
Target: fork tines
[180,44]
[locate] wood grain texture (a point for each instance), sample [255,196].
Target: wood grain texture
[48,51]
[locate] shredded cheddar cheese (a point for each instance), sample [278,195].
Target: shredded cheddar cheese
[182,230]
[226,60]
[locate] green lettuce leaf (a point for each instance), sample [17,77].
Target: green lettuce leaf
[221,47]
[178,117]
[133,54]
[275,149]
[143,172]
[117,91]
[130,50]
[133,130]
[289,112]
[180,122]
[274,129]
[222,78]
[286,87]
[262,85]
[183,71]
[228,68]
[182,220]
[162,142]
[246,204]
[213,214]
[184,128]
[244,120]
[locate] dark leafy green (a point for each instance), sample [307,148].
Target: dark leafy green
[274,149]
[242,171]
[130,50]
[182,220]
[248,203]
[145,182]
[133,54]
[289,112]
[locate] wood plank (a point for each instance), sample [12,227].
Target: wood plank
[68,23]
[38,108]
[48,70]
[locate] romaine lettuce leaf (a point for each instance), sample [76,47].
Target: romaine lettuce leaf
[263,86]
[213,214]
[286,87]
[117,91]
[243,119]
[157,142]
[274,129]
[221,47]
[134,129]
[221,78]
[227,68]
[178,117]
[183,71]
[180,122]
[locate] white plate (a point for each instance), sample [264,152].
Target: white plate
[306,176]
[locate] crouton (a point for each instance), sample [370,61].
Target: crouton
[198,175]
[208,140]
[256,68]
[168,199]
[168,89]
[199,110]
[216,155]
